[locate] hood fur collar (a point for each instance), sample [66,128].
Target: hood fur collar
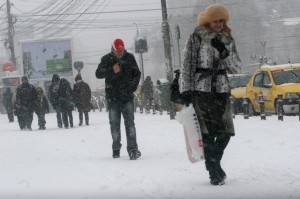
[208,35]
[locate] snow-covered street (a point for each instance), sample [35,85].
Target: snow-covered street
[261,161]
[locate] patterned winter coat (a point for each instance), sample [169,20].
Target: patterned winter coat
[82,96]
[199,57]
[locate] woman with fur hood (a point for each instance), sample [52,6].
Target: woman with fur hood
[210,53]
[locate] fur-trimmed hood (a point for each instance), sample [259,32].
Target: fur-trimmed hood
[213,12]
[208,35]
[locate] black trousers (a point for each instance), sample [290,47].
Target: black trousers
[25,119]
[41,119]
[67,117]
[210,109]
[10,113]
[86,117]
[214,147]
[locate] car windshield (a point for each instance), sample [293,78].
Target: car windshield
[238,81]
[286,76]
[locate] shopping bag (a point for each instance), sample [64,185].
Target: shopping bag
[192,133]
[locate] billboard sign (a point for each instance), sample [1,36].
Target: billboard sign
[11,81]
[42,59]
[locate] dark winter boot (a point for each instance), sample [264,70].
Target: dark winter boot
[134,154]
[116,153]
[221,172]
[214,176]
[80,118]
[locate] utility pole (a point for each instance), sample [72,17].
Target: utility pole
[11,34]
[167,40]
[177,35]
[167,47]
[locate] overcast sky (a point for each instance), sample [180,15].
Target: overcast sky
[90,44]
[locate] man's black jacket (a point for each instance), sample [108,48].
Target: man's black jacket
[119,86]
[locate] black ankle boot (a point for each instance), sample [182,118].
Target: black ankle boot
[221,172]
[214,176]
[116,153]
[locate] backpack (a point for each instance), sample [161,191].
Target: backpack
[176,97]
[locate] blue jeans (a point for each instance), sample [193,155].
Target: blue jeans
[127,110]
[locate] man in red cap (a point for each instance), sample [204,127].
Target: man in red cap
[122,76]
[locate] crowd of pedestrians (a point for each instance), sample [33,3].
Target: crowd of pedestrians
[29,99]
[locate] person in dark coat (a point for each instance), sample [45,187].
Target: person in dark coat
[25,103]
[42,107]
[209,54]
[8,104]
[66,103]
[147,93]
[122,76]
[82,98]
[54,99]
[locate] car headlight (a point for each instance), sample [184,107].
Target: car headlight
[291,96]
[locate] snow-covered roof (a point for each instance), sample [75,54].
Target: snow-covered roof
[237,75]
[272,67]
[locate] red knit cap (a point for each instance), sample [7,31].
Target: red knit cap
[118,45]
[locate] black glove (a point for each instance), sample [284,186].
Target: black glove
[220,46]
[187,97]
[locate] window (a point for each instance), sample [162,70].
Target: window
[258,80]
[266,80]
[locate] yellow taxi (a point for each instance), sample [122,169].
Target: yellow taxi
[270,81]
[238,83]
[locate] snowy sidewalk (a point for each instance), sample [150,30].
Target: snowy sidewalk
[261,161]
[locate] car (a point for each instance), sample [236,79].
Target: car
[271,80]
[238,83]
